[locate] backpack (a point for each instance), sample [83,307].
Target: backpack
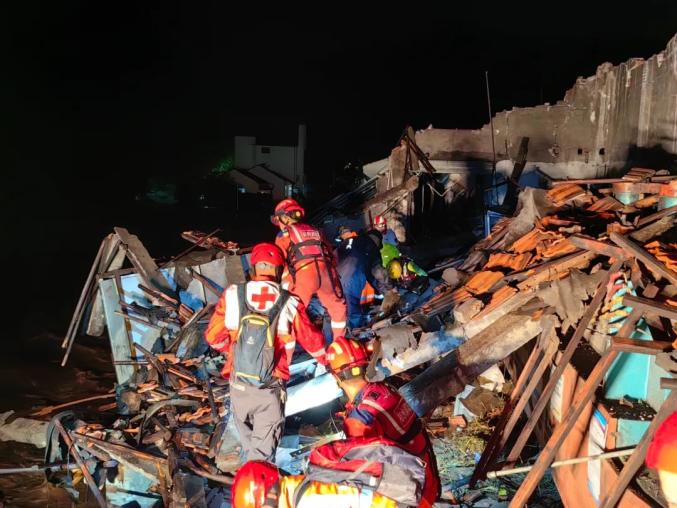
[377,464]
[254,348]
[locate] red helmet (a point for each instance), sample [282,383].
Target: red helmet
[252,482]
[288,207]
[344,354]
[267,253]
[380,220]
[662,452]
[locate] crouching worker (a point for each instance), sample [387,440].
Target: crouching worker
[361,264]
[257,325]
[376,410]
[350,473]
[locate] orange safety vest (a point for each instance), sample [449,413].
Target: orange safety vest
[368,295]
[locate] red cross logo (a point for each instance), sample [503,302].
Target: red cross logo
[264,297]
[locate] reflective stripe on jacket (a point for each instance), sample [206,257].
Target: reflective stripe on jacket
[328,495]
[293,325]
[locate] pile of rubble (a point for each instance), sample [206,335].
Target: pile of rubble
[568,267]
[545,272]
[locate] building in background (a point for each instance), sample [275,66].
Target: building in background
[275,170]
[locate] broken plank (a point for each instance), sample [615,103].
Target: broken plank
[85,296]
[83,467]
[143,262]
[208,284]
[651,306]
[562,363]
[553,270]
[451,374]
[604,248]
[645,347]
[636,460]
[50,409]
[658,215]
[493,447]
[396,193]
[561,431]
[638,252]
[595,181]
[653,230]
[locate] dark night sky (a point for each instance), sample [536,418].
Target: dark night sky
[95,96]
[96,90]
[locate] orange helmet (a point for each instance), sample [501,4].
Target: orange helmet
[267,253]
[252,482]
[290,207]
[346,356]
[662,452]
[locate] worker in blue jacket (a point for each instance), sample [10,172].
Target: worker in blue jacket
[358,265]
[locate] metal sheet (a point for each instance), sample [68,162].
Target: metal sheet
[117,332]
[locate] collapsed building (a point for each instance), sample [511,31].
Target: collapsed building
[556,326]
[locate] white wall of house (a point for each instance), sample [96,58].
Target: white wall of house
[288,161]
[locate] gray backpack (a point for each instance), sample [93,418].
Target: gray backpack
[377,464]
[254,348]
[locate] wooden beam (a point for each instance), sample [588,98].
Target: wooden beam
[145,265]
[492,449]
[396,193]
[547,455]
[510,199]
[552,270]
[564,360]
[636,460]
[598,246]
[594,181]
[658,215]
[650,306]
[638,252]
[645,347]
[653,229]
[546,362]
[560,433]
[85,296]
[83,467]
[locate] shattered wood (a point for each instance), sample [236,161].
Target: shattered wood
[171,413]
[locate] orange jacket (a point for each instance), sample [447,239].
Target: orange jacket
[380,411]
[328,495]
[295,234]
[293,325]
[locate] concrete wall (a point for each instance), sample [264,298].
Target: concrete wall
[622,116]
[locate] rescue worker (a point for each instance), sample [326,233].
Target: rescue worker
[257,325]
[662,456]
[310,263]
[380,224]
[344,242]
[258,484]
[360,265]
[378,410]
[414,286]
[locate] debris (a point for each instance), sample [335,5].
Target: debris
[22,430]
[543,271]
